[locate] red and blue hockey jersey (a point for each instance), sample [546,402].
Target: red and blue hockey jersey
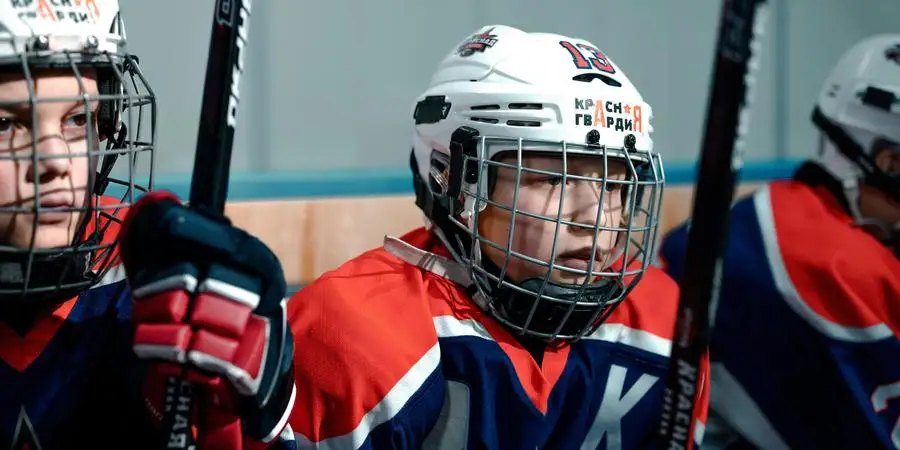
[72,380]
[64,383]
[805,350]
[393,354]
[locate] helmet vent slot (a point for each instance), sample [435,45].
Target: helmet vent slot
[531,106]
[589,77]
[523,123]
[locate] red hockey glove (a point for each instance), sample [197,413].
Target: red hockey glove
[209,297]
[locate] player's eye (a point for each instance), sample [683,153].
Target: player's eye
[6,124]
[554,181]
[77,120]
[612,187]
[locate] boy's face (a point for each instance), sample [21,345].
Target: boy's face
[55,179]
[540,194]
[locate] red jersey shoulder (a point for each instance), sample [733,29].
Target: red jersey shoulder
[376,286]
[360,329]
[651,306]
[375,300]
[805,218]
[872,284]
[838,269]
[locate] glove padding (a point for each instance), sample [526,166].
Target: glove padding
[209,298]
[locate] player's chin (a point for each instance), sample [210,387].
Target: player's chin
[573,271]
[564,277]
[49,231]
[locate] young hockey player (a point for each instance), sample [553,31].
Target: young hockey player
[525,315]
[805,350]
[83,353]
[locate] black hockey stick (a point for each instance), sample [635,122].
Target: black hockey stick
[720,159]
[212,163]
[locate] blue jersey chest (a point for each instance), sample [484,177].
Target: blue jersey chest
[77,389]
[608,396]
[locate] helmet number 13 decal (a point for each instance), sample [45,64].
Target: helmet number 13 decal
[586,57]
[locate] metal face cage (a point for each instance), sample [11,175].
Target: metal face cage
[111,118]
[520,274]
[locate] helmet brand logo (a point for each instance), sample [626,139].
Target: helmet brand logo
[477,43]
[77,11]
[618,116]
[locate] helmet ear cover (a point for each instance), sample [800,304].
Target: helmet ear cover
[463,164]
[439,206]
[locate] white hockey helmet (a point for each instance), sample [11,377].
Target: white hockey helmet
[60,26]
[505,90]
[74,37]
[858,107]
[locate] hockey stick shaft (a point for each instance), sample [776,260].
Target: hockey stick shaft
[727,116]
[221,96]
[212,163]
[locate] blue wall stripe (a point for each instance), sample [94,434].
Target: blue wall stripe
[391,181]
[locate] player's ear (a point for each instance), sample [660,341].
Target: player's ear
[887,156]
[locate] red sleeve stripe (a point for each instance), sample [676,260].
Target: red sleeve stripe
[386,409]
[763,204]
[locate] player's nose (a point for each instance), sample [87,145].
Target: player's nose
[587,211]
[51,157]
